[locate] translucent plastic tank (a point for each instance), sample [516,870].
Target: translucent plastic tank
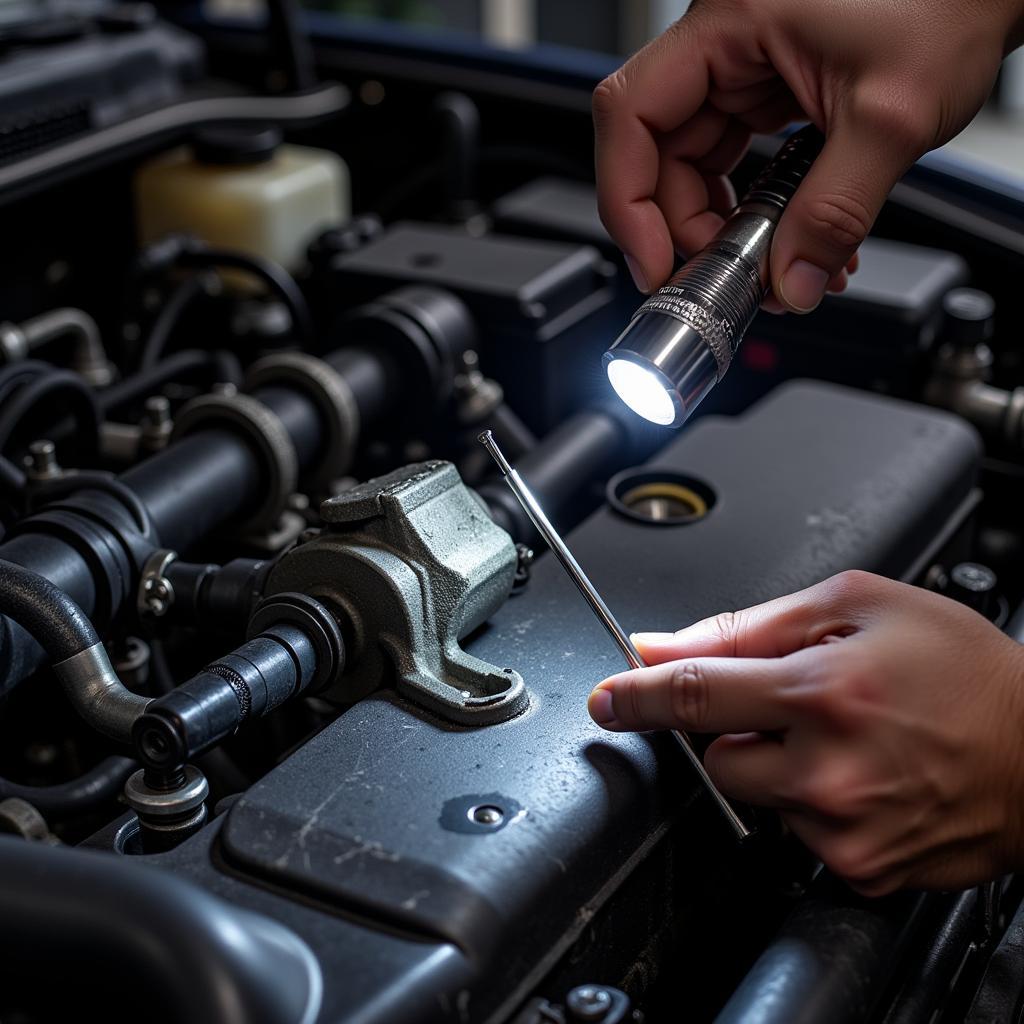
[244,190]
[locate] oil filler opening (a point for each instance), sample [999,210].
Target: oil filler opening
[660,497]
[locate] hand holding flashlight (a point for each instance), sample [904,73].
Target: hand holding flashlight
[681,341]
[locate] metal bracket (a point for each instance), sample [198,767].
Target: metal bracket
[412,563]
[156,595]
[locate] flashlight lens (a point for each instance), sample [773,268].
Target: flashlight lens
[642,391]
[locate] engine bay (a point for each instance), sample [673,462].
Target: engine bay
[292,697]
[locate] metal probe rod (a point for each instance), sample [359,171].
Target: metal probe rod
[601,610]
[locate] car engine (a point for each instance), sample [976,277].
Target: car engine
[292,696]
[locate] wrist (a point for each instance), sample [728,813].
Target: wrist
[1014,782]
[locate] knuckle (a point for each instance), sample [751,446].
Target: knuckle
[607,97]
[847,859]
[853,585]
[690,695]
[726,626]
[896,111]
[833,791]
[816,795]
[842,218]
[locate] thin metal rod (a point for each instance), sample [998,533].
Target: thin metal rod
[601,610]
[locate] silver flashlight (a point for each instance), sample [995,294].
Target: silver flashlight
[681,341]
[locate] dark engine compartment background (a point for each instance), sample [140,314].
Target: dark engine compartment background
[341,874]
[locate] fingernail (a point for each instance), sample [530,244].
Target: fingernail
[637,273]
[651,638]
[803,286]
[600,707]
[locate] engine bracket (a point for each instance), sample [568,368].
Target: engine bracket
[412,563]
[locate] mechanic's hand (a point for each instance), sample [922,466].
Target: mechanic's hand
[885,81]
[886,723]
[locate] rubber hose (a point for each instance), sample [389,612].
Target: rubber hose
[83,406]
[222,366]
[45,611]
[77,796]
[275,277]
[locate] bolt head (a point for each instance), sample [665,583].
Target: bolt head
[487,814]
[589,1002]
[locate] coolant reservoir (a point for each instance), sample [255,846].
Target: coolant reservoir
[244,190]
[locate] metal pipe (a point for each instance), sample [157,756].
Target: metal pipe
[90,357]
[603,613]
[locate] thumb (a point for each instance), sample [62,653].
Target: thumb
[835,207]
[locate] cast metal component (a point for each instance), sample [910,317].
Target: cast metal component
[412,563]
[330,393]
[156,594]
[270,440]
[682,339]
[92,686]
[601,610]
[963,366]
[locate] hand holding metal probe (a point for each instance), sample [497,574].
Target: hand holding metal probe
[601,610]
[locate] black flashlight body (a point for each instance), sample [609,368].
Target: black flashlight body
[686,334]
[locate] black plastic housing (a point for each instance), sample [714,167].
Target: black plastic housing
[364,841]
[538,306]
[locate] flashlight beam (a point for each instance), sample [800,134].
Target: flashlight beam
[601,610]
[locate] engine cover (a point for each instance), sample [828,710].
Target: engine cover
[438,872]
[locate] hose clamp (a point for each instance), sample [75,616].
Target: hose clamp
[329,392]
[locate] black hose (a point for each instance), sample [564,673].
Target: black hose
[131,936]
[275,277]
[12,480]
[53,618]
[46,491]
[222,367]
[17,375]
[168,318]
[65,799]
[82,405]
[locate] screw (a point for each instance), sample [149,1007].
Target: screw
[589,1003]
[487,814]
[41,462]
[157,423]
[158,411]
[157,595]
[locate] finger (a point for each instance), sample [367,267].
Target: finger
[839,282]
[837,606]
[750,768]
[773,115]
[685,201]
[703,694]
[724,157]
[747,96]
[658,90]
[834,208]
